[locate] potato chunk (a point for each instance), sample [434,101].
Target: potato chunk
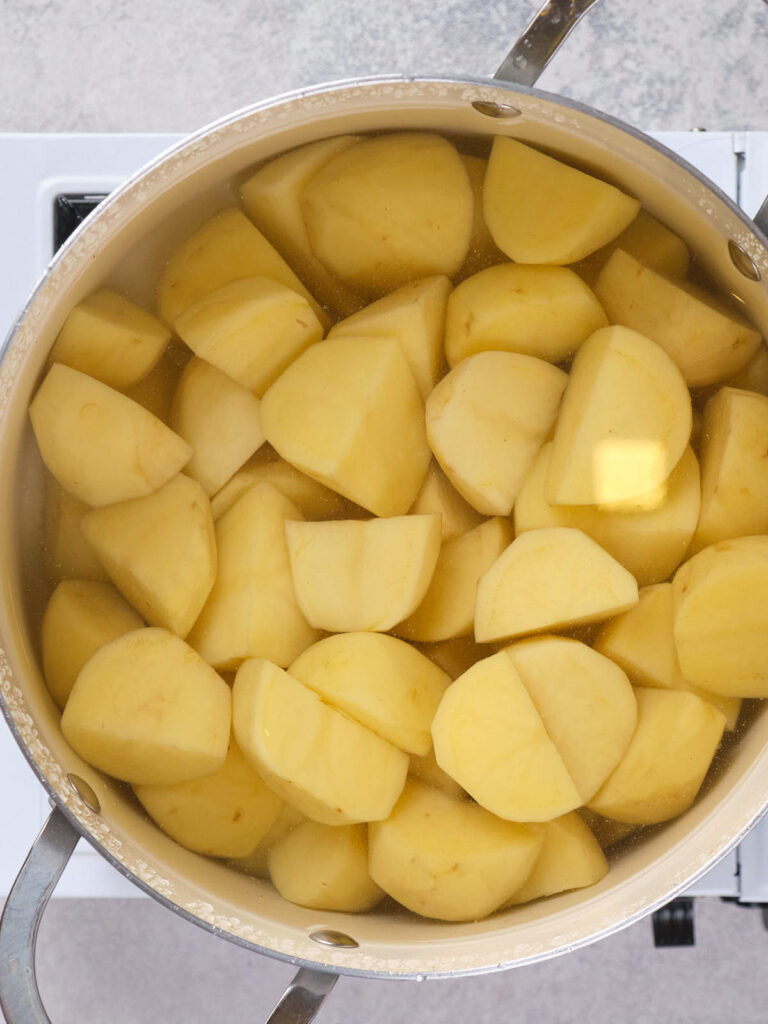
[272,199]
[649,542]
[570,858]
[490,738]
[706,339]
[448,607]
[219,419]
[68,555]
[547,579]
[348,413]
[641,641]
[486,420]
[223,249]
[155,391]
[381,682]
[324,867]
[449,859]
[355,575]
[251,329]
[101,446]
[648,241]
[110,338]
[226,814]
[734,467]
[721,617]
[81,616]
[540,311]
[331,768]
[585,702]
[389,210]
[160,551]
[438,496]
[255,863]
[624,424]
[146,709]
[662,771]
[428,772]
[413,314]
[483,251]
[252,609]
[540,210]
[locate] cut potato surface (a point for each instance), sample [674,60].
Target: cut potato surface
[68,555]
[487,419]
[81,616]
[256,863]
[540,210]
[251,329]
[624,424]
[331,768]
[226,814]
[570,858]
[449,859]
[483,251]
[389,210]
[448,607]
[438,496]
[355,575]
[606,831]
[754,375]
[160,551]
[252,610]
[455,656]
[428,772]
[659,776]
[547,579]
[734,467]
[585,702]
[101,446]
[272,199]
[381,682]
[649,543]
[155,391]
[324,867]
[537,310]
[721,617]
[111,338]
[348,413]
[648,241]
[147,710]
[223,249]
[706,339]
[414,315]
[490,738]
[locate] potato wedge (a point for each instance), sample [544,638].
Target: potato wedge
[648,241]
[68,555]
[483,251]
[438,496]
[256,863]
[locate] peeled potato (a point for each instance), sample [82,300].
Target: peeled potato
[605,830]
[540,210]
[101,446]
[110,338]
[272,199]
[455,656]
[252,609]
[448,607]
[537,310]
[486,420]
[225,814]
[146,709]
[68,555]
[438,496]
[80,617]
[624,423]
[570,858]
[706,339]
[721,617]
[355,575]
[379,681]
[659,776]
[155,391]
[649,241]
[753,376]
[483,251]
[160,551]
[250,329]
[331,768]
[427,771]
[547,579]
[255,862]
[324,867]
[490,738]
[649,542]
[348,413]
[448,858]
[389,210]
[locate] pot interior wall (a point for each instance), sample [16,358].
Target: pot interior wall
[125,245]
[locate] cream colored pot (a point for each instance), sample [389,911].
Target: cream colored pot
[129,236]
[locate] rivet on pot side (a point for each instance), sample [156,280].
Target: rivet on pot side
[499,110]
[330,937]
[742,261]
[85,791]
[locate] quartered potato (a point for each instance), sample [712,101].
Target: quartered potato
[438,496]
[648,241]
[68,555]
[483,251]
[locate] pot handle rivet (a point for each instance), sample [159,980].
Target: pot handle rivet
[742,261]
[85,791]
[330,937]
[491,109]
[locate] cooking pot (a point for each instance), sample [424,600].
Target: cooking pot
[124,243]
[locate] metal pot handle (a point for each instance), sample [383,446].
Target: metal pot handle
[19,995]
[541,39]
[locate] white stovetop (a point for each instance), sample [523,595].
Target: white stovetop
[33,169]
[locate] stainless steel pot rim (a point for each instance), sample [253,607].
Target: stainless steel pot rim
[489,90]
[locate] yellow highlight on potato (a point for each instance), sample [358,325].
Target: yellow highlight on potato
[618,463]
